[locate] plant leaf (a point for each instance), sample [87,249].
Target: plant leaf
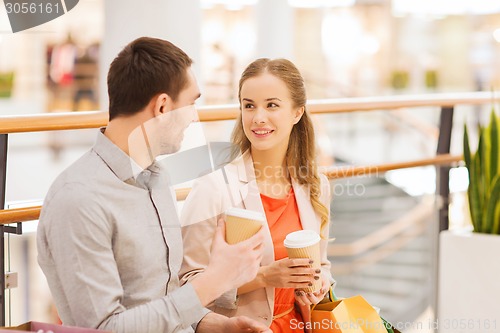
[474,196]
[467,156]
[497,217]
[493,148]
[492,206]
[479,179]
[472,190]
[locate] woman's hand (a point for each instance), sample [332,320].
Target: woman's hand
[305,298]
[289,273]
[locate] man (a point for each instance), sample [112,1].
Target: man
[109,239]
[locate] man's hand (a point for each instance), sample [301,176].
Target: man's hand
[230,266]
[214,322]
[238,263]
[244,324]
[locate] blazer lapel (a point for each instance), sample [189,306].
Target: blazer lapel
[308,217]
[250,196]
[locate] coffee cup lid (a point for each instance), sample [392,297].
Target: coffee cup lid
[301,238]
[245,214]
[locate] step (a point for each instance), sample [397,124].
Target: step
[345,192]
[364,180]
[346,219]
[402,257]
[406,258]
[387,271]
[354,231]
[375,205]
[380,284]
[344,233]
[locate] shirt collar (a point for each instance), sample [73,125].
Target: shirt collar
[124,167]
[117,160]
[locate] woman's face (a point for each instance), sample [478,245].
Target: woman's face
[267,112]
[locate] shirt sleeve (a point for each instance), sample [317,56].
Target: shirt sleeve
[75,251]
[199,216]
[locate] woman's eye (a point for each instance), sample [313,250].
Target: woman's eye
[248,106]
[272,105]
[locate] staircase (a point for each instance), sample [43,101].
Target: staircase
[384,247]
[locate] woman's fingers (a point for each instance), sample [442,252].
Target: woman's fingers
[306,298]
[312,298]
[305,280]
[298,262]
[301,297]
[298,285]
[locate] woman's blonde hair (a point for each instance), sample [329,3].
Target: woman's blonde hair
[301,153]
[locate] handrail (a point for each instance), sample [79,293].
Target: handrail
[397,102]
[52,121]
[350,171]
[24,214]
[95,119]
[8,216]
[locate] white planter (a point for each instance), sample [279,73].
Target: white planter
[469,283]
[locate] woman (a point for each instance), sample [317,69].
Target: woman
[275,175]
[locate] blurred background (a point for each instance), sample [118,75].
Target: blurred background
[344,48]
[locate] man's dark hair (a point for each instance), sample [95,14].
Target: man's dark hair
[144,68]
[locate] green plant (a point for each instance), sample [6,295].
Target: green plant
[6,84]
[484,177]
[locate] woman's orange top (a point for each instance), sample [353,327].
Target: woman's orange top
[283,218]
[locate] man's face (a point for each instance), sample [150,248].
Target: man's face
[163,134]
[183,113]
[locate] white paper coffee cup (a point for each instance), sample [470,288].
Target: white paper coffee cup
[305,244]
[242,224]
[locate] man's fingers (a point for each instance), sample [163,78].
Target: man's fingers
[255,240]
[221,228]
[252,325]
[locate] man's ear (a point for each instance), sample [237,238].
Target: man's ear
[162,104]
[298,114]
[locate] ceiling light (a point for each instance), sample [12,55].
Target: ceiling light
[228,3]
[445,7]
[321,3]
[496,35]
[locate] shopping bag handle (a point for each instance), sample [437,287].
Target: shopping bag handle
[334,298]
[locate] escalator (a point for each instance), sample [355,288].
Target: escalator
[384,246]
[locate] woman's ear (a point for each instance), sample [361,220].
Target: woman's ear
[298,114]
[162,104]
